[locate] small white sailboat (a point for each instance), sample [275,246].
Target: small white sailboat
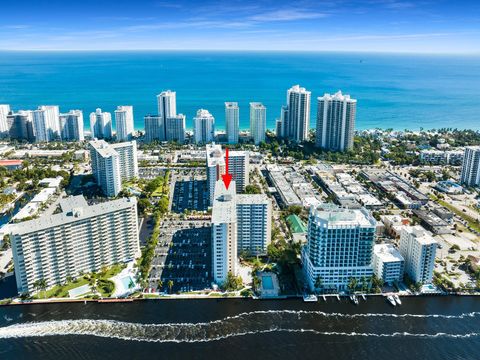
[397,299]
[324,298]
[338,297]
[364,297]
[391,300]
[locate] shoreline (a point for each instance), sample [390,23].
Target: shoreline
[206,297]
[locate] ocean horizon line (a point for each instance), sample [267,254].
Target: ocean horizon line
[249,51]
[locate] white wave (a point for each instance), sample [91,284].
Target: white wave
[351,316]
[176,333]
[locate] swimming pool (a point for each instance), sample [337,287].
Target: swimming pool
[267,282]
[126,281]
[81,290]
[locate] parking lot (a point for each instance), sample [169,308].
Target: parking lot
[183,255]
[190,194]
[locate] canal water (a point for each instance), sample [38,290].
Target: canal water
[423,327]
[21,202]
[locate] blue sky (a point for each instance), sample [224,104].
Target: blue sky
[343,25]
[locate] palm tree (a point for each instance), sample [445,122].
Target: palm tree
[160,284]
[352,284]
[364,284]
[318,283]
[170,285]
[41,285]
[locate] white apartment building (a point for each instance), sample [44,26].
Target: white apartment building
[418,248]
[238,166]
[106,167]
[224,232]
[470,175]
[204,127]
[232,121]
[101,124]
[167,104]
[124,123]
[296,115]
[71,125]
[4,111]
[258,122]
[154,128]
[127,152]
[20,125]
[175,128]
[339,247]
[439,157]
[46,123]
[80,239]
[388,263]
[335,122]
[254,223]
[112,163]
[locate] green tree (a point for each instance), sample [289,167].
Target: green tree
[352,284]
[41,285]
[232,282]
[170,285]
[318,283]
[253,189]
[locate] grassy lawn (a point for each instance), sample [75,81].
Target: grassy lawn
[105,287]
[60,291]
[151,296]
[112,271]
[103,284]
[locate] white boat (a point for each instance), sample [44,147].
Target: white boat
[338,297]
[354,299]
[391,300]
[364,297]
[324,298]
[397,299]
[310,298]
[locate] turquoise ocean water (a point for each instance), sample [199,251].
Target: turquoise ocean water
[393,91]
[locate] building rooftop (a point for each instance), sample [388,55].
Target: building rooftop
[84,212]
[387,253]
[215,155]
[224,209]
[338,96]
[257,105]
[298,89]
[252,199]
[202,113]
[73,202]
[296,225]
[10,162]
[335,215]
[103,148]
[420,234]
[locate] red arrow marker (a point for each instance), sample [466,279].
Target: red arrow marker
[227,178]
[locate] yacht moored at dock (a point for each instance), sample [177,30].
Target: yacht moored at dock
[391,300]
[397,299]
[310,298]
